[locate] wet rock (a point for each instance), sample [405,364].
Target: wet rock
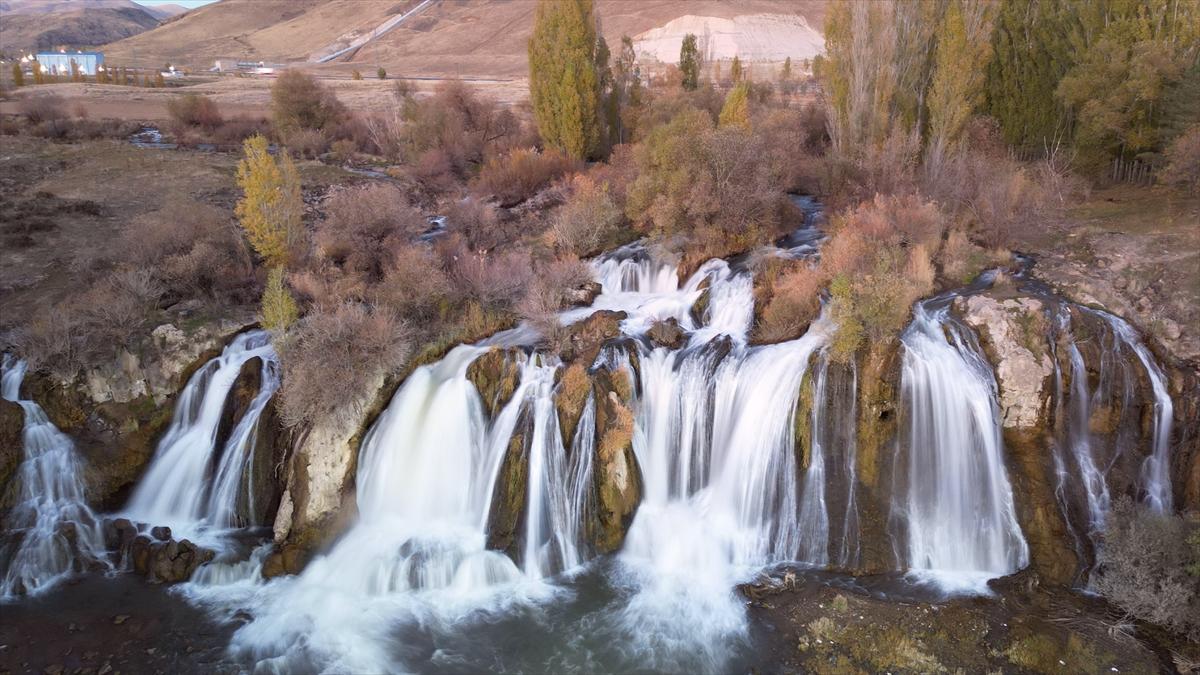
[165,561]
[616,475]
[1012,333]
[12,443]
[269,444]
[667,334]
[585,338]
[585,294]
[508,500]
[161,533]
[495,375]
[286,559]
[878,403]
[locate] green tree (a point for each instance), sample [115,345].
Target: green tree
[736,72]
[18,75]
[1032,52]
[785,74]
[38,76]
[279,310]
[271,206]
[564,85]
[381,73]
[963,50]
[690,62]
[626,92]
[736,111]
[858,73]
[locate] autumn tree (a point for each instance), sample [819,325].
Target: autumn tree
[18,75]
[690,62]
[271,206]
[736,111]
[299,101]
[564,82]
[38,76]
[960,63]
[626,93]
[279,310]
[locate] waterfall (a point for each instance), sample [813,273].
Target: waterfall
[954,501]
[181,488]
[52,532]
[1155,478]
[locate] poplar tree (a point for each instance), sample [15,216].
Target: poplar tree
[271,206]
[564,82]
[736,111]
[278,311]
[689,62]
[735,70]
[18,75]
[963,50]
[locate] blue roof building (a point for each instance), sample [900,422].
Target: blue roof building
[59,63]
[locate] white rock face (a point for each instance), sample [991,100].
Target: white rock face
[1007,328]
[752,37]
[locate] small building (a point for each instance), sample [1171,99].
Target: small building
[59,63]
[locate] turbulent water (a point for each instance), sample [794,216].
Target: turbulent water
[953,501]
[197,484]
[51,533]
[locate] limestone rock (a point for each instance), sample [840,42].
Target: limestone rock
[585,338]
[616,475]
[495,375]
[667,334]
[1013,334]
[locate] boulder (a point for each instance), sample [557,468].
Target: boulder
[495,375]
[508,500]
[160,561]
[584,339]
[585,294]
[1013,333]
[667,334]
[615,474]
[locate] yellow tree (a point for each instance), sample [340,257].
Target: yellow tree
[279,309]
[18,75]
[564,82]
[736,111]
[271,206]
[964,48]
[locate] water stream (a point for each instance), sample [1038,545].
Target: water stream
[51,533]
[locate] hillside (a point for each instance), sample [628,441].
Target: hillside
[29,25]
[468,38]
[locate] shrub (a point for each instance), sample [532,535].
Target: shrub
[381,73]
[520,174]
[794,303]
[48,108]
[1183,161]
[477,221]
[550,291]
[1144,567]
[356,76]
[55,339]
[306,143]
[299,101]
[332,357]
[589,221]
[414,285]
[194,110]
[238,129]
[343,150]
[494,280]
[364,226]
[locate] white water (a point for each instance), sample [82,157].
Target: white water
[181,488]
[52,534]
[954,499]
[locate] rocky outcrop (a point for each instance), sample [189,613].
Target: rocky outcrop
[496,376]
[154,554]
[584,339]
[617,479]
[878,406]
[270,445]
[318,503]
[12,444]
[1013,333]
[667,334]
[508,498]
[573,386]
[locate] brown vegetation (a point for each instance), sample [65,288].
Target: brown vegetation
[520,174]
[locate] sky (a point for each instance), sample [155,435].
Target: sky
[190,4]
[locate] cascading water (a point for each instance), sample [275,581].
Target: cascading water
[953,499]
[52,532]
[181,488]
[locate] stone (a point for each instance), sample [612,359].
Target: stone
[667,334]
[585,338]
[617,476]
[585,294]
[161,533]
[1013,333]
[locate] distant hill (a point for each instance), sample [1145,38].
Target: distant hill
[467,38]
[31,25]
[164,12]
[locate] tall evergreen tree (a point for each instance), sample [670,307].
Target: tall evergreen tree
[690,62]
[1032,51]
[963,50]
[564,85]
